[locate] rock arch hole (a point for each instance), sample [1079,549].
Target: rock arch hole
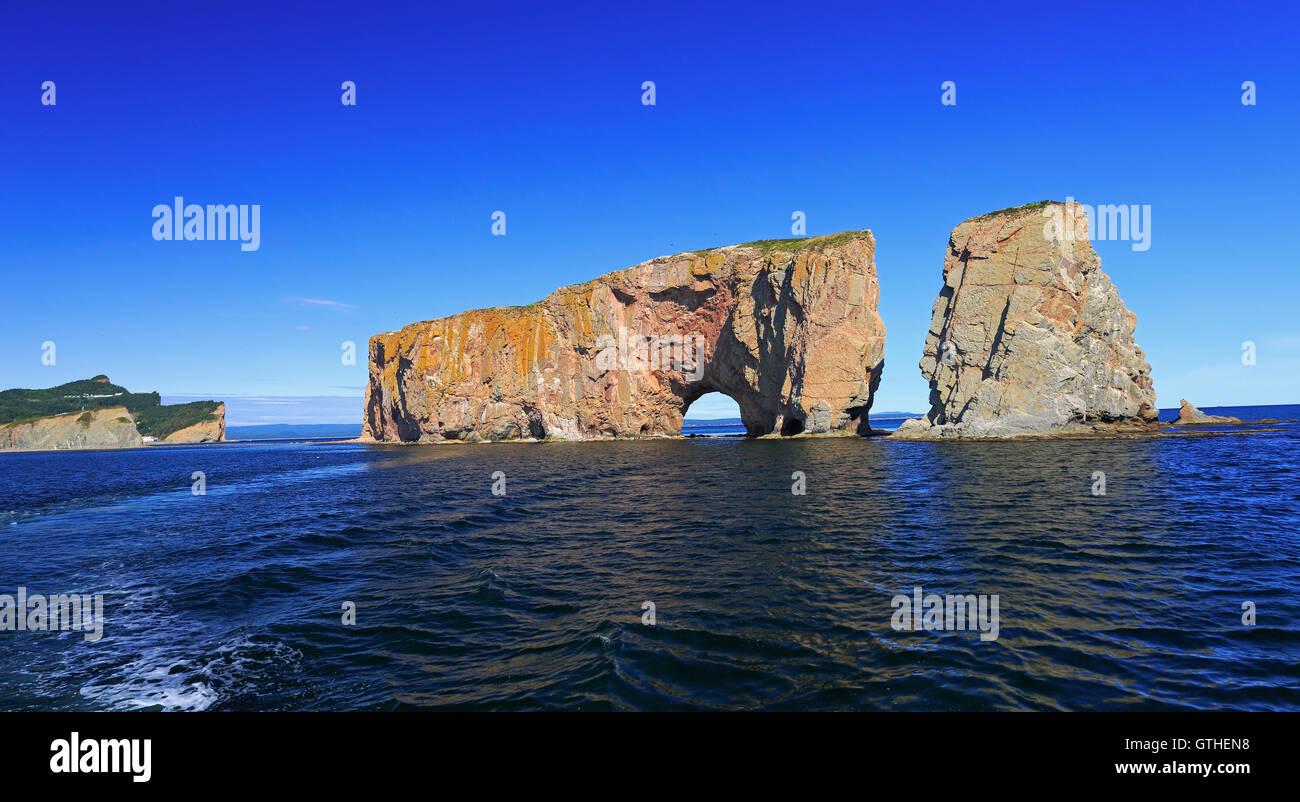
[711,414]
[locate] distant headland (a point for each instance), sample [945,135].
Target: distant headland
[95,413]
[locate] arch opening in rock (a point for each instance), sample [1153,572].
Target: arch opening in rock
[712,410]
[787,329]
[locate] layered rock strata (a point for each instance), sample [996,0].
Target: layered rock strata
[210,430]
[1028,336]
[787,328]
[1189,415]
[108,427]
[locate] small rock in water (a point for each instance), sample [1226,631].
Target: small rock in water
[1189,415]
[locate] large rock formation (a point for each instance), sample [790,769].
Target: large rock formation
[787,328]
[152,421]
[212,429]
[107,427]
[1028,335]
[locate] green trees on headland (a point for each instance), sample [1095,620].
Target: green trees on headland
[152,418]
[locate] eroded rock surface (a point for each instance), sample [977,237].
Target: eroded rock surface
[210,430]
[108,427]
[787,328]
[1189,415]
[1028,336]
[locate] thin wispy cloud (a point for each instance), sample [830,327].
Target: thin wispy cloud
[321,302]
[249,410]
[1289,342]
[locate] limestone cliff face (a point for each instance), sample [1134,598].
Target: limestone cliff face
[1028,335]
[788,329]
[205,431]
[110,427]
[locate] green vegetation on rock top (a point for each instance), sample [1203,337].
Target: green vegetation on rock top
[151,417]
[1028,207]
[795,243]
[161,421]
[765,245]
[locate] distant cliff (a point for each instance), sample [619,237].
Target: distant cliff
[108,427]
[35,419]
[1029,336]
[211,428]
[787,328]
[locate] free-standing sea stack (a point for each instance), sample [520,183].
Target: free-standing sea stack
[1029,336]
[787,328]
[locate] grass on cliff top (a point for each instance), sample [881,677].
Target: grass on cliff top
[164,420]
[508,306]
[794,243]
[22,405]
[765,245]
[1028,207]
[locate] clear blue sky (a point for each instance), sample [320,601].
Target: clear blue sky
[378,215]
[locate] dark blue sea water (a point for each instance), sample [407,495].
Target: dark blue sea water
[732,427]
[764,600]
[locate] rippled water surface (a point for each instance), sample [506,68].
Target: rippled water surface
[763,599]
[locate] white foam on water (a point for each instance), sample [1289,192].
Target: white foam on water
[154,681]
[164,679]
[152,657]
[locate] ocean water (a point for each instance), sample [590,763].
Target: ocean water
[732,427]
[763,599]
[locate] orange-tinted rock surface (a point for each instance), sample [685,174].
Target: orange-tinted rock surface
[788,329]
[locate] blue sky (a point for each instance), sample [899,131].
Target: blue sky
[379,215]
